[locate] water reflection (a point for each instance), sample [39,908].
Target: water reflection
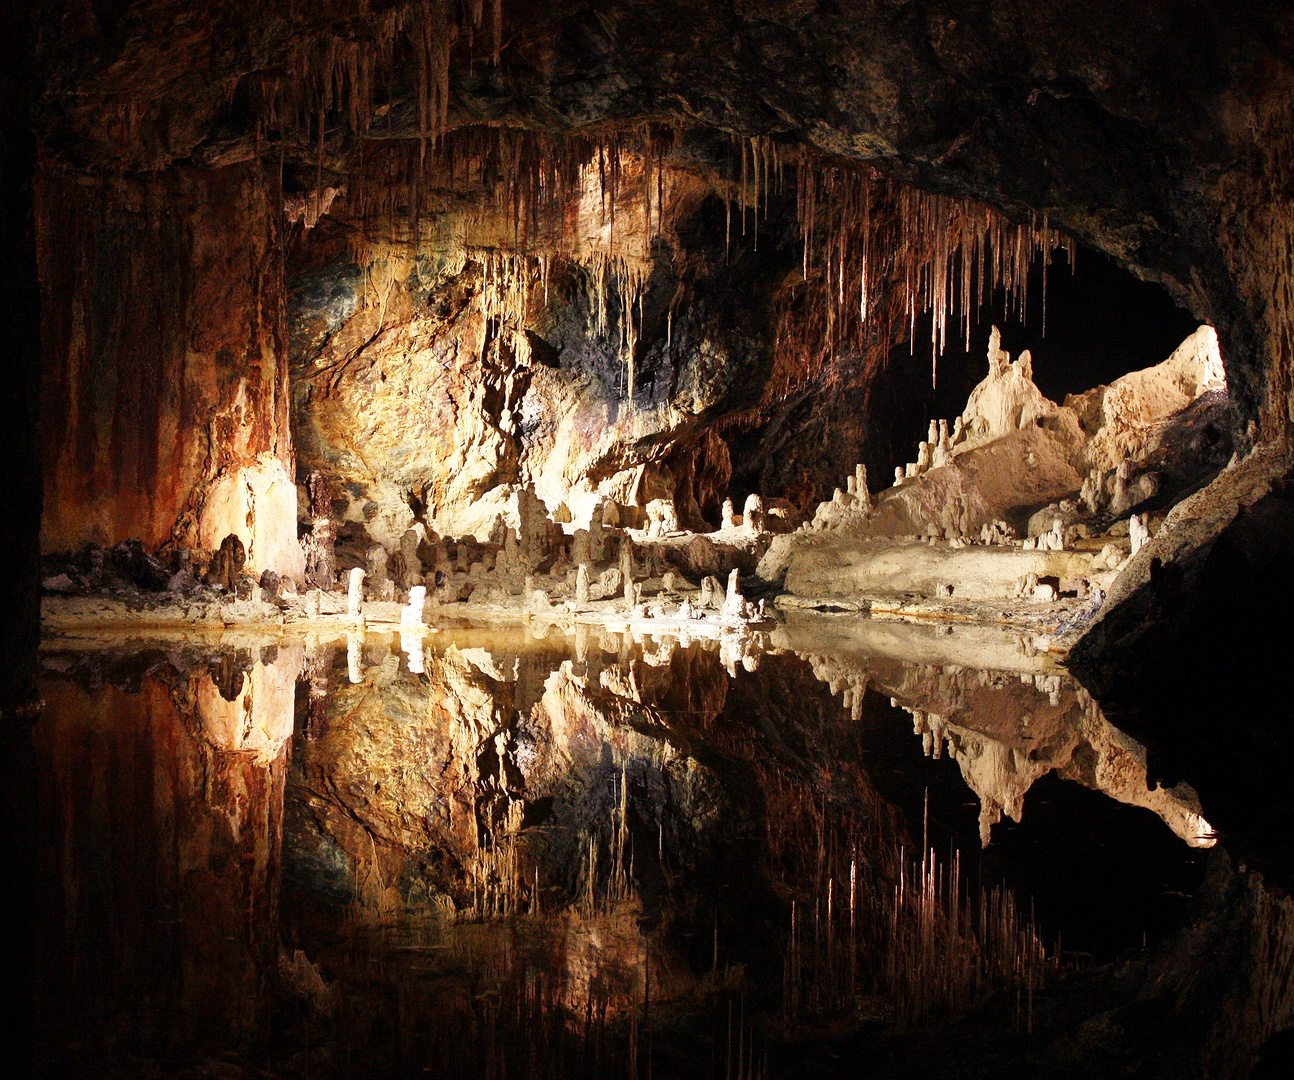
[535,852]
[162,808]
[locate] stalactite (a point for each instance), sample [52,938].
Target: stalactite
[877,254]
[531,199]
[861,227]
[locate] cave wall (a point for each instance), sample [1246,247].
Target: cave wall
[165,397]
[1158,135]
[436,376]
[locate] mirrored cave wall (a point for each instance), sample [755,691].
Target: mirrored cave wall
[442,258]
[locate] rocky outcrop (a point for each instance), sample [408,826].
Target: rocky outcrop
[165,399]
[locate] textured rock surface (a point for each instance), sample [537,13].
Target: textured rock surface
[165,399]
[1104,118]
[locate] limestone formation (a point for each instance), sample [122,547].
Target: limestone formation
[728,519]
[610,582]
[412,613]
[355,594]
[227,564]
[582,585]
[320,543]
[1138,531]
[753,514]
[662,519]
[1007,400]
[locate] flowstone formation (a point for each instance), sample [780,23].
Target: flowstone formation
[1023,499]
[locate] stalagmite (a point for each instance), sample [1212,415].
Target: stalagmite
[899,475]
[582,584]
[753,514]
[314,600]
[1119,498]
[355,594]
[353,644]
[626,565]
[227,564]
[728,519]
[733,602]
[379,580]
[1138,531]
[320,543]
[862,493]
[412,562]
[412,613]
[597,537]
[932,433]
[580,546]
[1090,493]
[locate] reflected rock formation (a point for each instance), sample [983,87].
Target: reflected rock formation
[1006,725]
[162,803]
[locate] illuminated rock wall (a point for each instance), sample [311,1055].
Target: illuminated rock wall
[165,403]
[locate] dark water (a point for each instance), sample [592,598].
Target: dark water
[529,852]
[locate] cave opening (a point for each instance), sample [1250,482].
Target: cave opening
[495,484]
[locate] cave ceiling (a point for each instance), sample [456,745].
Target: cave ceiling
[1130,125]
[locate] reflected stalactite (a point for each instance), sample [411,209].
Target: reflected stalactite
[879,253]
[549,821]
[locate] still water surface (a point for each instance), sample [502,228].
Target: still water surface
[545,852]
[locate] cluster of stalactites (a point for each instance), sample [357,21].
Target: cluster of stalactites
[877,253]
[521,201]
[864,234]
[535,191]
[861,230]
[340,74]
